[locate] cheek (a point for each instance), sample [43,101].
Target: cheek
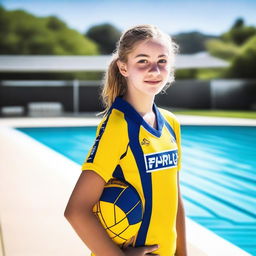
[165,69]
[140,69]
[135,72]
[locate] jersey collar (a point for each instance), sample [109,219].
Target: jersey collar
[129,111]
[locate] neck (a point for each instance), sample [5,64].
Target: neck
[141,103]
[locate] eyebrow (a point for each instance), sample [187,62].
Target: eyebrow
[145,55]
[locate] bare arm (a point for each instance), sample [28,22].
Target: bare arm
[181,249]
[79,213]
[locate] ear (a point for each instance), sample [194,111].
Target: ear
[122,66]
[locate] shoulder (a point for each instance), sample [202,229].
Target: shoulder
[114,122]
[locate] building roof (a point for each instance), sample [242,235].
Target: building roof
[48,63]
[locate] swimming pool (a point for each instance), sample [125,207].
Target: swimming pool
[218,177]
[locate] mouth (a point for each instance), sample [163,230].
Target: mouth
[153,82]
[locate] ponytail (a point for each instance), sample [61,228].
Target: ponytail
[114,84]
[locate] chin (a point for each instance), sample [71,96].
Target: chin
[152,92]
[155,89]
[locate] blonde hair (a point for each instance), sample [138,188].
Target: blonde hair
[114,84]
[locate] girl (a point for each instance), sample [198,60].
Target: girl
[137,142]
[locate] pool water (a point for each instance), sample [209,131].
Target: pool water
[218,176]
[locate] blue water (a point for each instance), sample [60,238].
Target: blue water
[218,177]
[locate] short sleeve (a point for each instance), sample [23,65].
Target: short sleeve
[105,153]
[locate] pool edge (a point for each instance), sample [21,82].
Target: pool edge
[201,241]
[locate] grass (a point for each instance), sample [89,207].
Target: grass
[217,113]
[209,73]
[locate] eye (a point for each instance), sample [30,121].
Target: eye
[142,61]
[163,61]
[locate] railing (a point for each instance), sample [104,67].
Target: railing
[46,104]
[83,97]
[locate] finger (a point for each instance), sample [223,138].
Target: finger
[150,248]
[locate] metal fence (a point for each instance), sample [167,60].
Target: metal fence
[83,96]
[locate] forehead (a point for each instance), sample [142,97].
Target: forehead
[151,47]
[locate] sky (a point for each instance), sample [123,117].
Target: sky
[173,16]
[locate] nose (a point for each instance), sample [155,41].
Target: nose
[154,68]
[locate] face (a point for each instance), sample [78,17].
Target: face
[148,67]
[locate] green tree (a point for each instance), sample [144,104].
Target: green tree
[239,23]
[243,65]
[105,35]
[221,49]
[238,45]
[54,23]
[23,33]
[239,33]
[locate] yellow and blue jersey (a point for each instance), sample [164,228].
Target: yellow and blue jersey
[128,148]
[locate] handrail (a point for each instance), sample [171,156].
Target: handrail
[34,83]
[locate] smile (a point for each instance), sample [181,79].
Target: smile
[152,82]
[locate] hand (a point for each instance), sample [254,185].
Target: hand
[141,251]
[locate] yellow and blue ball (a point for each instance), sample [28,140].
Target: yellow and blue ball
[120,211]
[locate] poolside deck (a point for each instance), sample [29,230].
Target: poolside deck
[36,183]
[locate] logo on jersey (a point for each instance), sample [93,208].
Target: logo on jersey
[161,160]
[145,142]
